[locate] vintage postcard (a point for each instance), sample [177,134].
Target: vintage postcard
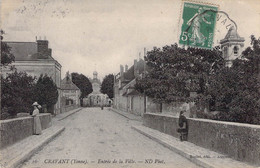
[130,83]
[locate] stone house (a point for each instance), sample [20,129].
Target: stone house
[126,98]
[35,58]
[70,94]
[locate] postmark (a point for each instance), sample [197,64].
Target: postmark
[198,25]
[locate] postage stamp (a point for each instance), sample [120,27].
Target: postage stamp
[198,25]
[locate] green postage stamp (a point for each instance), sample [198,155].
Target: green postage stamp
[198,24]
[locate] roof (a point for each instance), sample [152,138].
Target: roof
[232,35]
[68,85]
[129,75]
[132,92]
[25,51]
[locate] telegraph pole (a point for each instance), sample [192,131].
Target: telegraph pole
[144,76]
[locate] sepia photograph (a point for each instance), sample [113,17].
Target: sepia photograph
[130,84]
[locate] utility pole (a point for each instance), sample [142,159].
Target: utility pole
[144,76]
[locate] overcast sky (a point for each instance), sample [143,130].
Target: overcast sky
[88,35]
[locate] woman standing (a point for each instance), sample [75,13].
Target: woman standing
[37,128]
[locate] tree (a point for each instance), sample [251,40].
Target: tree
[174,72]
[107,86]
[46,92]
[235,91]
[17,93]
[6,56]
[83,83]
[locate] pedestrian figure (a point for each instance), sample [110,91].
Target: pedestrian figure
[183,124]
[37,128]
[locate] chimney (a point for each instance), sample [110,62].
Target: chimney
[135,68]
[49,51]
[121,78]
[42,47]
[121,72]
[126,68]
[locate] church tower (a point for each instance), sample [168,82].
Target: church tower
[95,75]
[232,46]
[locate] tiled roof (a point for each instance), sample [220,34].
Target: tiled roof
[129,75]
[232,35]
[68,85]
[25,51]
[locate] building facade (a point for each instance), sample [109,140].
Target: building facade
[232,46]
[96,98]
[126,98]
[70,94]
[35,58]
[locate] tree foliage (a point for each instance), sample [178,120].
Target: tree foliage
[83,83]
[6,56]
[174,72]
[107,86]
[46,92]
[235,91]
[17,93]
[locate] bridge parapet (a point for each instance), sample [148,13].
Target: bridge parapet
[237,140]
[13,130]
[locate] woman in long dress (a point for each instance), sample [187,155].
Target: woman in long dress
[37,128]
[195,23]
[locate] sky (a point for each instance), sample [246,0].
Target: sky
[99,35]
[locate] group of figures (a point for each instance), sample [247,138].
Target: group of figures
[37,128]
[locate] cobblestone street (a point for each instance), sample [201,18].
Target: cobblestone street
[102,138]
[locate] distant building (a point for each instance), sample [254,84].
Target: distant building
[96,98]
[35,58]
[232,46]
[126,98]
[70,94]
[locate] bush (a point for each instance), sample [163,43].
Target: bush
[17,93]
[46,92]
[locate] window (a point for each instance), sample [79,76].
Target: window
[235,50]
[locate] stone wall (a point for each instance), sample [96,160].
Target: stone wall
[14,130]
[138,105]
[172,109]
[122,104]
[237,140]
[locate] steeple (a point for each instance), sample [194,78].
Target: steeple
[95,75]
[232,46]
[68,76]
